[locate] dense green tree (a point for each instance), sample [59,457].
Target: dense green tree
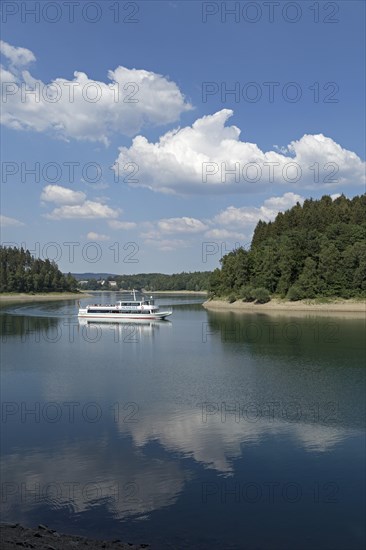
[308,279]
[359,275]
[247,293]
[261,295]
[215,282]
[330,272]
[20,272]
[318,249]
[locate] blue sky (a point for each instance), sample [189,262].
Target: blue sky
[207,163]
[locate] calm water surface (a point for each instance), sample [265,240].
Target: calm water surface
[214,430]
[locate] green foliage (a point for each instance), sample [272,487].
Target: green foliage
[246,293]
[318,249]
[235,270]
[215,283]
[307,283]
[295,293]
[261,295]
[231,299]
[21,272]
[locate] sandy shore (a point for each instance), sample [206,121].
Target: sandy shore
[23,297]
[356,307]
[179,292]
[53,296]
[13,535]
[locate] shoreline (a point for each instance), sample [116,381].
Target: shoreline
[43,297]
[177,292]
[19,297]
[192,292]
[14,535]
[348,307]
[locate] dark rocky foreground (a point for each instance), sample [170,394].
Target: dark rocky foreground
[13,535]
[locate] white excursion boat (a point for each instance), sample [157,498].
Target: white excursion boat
[137,309]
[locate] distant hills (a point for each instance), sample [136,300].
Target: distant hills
[197,281]
[98,276]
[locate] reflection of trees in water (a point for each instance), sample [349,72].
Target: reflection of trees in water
[17,325]
[314,362]
[192,306]
[327,337]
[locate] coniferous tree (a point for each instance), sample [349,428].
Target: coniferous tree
[318,249]
[20,272]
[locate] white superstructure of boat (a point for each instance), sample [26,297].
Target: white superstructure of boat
[132,308]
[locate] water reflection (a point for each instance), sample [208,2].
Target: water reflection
[129,331]
[143,468]
[87,474]
[283,334]
[117,423]
[52,329]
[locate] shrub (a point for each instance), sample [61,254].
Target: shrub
[246,293]
[294,294]
[231,298]
[261,295]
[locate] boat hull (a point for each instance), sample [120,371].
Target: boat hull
[160,316]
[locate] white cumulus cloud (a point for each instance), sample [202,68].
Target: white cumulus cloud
[225,234]
[167,245]
[74,205]
[16,56]
[86,109]
[181,225]
[234,224]
[249,216]
[62,195]
[97,236]
[210,157]
[88,210]
[155,232]
[116,224]
[5,221]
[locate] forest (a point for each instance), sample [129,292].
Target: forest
[21,272]
[314,250]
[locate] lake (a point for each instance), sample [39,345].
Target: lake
[211,430]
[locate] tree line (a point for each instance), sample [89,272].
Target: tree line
[317,249]
[197,281]
[21,272]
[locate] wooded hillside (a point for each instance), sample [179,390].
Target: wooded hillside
[317,249]
[21,272]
